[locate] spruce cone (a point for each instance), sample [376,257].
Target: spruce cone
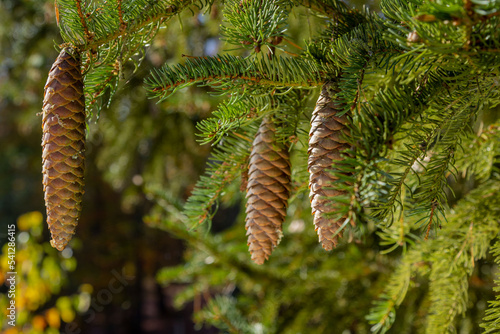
[268,191]
[325,146]
[63,145]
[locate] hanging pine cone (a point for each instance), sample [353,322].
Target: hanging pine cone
[63,145]
[268,191]
[325,145]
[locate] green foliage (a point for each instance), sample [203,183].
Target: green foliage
[109,34]
[244,75]
[420,87]
[327,8]
[383,314]
[446,261]
[254,24]
[490,323]
[223,313]
[480,154]
[300,290]
[228,117]
[220,172]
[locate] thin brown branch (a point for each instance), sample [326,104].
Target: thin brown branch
[292,43]
[323,8]
[251,80]
[429,225]
[290,53]
[468,239]
[88,35]
[242,137]
[123,24]
[224,169]
[360,88]
[492,15]
[98,93]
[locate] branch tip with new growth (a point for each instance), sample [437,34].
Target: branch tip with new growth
[127,27]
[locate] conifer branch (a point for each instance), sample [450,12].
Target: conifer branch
[473,41]
[212,246]
[222,312]
[408,157]
[228,117]
[329,8]
[434,180]
[411,152]
[447,260]
[383,313]
[109,34]
[78,4]
[350,43]
[253,24]
[139,23]
[229,73]
[480,153]
[241,110]
[112,21]
[408,86]
[123,25]
[228,160]
[492,314]
[474,226]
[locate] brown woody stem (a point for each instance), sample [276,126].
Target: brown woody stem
[88,36]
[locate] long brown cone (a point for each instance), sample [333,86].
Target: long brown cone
[325,145]
[63,145]
[268,191]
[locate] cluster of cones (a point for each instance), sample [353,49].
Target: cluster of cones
[269,179]
[269,175]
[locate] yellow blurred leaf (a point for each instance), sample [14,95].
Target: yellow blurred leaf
[38,323]
[11,331]
[29,220]
[52,316]
[33,297]
[68,315]
[52,331]
[87,288]
[129,269]
[425,18]
[64,306]
[21,302]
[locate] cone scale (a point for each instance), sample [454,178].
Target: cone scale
[63,145]
[268,191]
[325,146]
